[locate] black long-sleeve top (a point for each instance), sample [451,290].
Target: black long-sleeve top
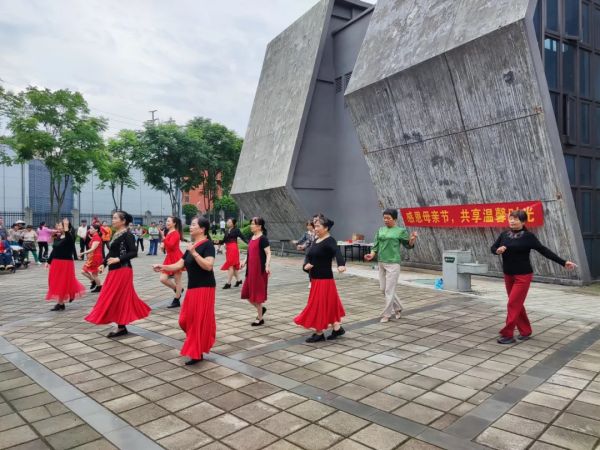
[124,248]
[320,256]
[63,248]
[515,260]
[232,235]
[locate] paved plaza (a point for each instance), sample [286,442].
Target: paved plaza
[434,379]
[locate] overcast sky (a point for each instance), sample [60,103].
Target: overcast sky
[184,58]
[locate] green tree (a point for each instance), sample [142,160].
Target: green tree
[226,203]
[189,211]
[114,165]
[222,152]
[169,155]
[56,128]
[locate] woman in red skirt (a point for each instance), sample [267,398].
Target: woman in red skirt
[232,253]
[258,269]
[94,259]
[197,316]
[170,244]
[324,306]
[62,284]
[118,302]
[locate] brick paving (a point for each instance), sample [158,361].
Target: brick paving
[434,379]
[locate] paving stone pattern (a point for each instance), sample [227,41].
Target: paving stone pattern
[436,378]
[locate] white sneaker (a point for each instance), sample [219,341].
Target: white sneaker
[398,314]
[384,319]
[39,263]
[309,285]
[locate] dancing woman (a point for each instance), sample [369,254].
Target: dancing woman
[171,245]
[197,316]
[62,284]
[94,259]
[118,302]
[324,306]
[258,269]
[515,246]
[232,253]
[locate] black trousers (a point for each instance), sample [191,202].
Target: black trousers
[43,247]
[140,243]
[81,245]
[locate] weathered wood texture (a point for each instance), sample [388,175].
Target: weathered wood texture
[461,120]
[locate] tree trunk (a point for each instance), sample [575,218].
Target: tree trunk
[121,198]
[113,187]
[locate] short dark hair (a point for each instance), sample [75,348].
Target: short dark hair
[393,213]
[233,221]
[519,214]
[259,221]
[203,222]
[324,221]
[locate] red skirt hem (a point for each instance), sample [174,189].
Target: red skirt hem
[232,256]
[197,320]
[118,302]
[62,283]
[324,306]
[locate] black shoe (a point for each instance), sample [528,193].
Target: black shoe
[227,286]
[97,289]
[505,340]
[191,362]
[58,307]
[174,304]
[92,286]
[524,338]
[316,338]
[239,283]
[336,334]
[71,300]
[120,332]
[258,323]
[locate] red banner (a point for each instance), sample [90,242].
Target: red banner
[472,216]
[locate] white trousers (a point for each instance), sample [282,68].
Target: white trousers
[388,280]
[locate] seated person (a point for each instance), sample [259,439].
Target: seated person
[6,261]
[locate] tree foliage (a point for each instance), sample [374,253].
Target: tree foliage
[114,164]
[222,152]
[169,155]
[189,211]
[56,128]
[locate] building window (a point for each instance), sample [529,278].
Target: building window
[585,23]
[584,123]
[569,61]
[570,163]
[596,127]
[596,27]
[586,212]
[584,73]
[537,21]
[552,15]
[551,62]
[554,98]
[572,18]
[585,171]
[570,119]
[598,179]
[597,75]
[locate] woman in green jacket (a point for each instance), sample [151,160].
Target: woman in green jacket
[387,248]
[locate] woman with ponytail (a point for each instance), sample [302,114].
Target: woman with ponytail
[170,244]
[258,269]
[118,302]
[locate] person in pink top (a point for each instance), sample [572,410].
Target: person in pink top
[44,238]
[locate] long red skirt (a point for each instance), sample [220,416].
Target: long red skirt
[118,302]
[324,306]
[197,320]
[62,284]
[232,256]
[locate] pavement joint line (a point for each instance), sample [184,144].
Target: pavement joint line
[108,424]
[367,412]
[280,345]
[481,417]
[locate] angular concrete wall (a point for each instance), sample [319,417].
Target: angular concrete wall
[300,139]
[262,184]
[451,106]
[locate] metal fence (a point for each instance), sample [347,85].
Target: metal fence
[11,217]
